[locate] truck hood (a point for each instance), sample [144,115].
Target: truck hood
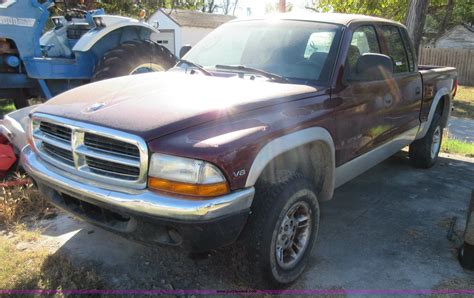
[156,104]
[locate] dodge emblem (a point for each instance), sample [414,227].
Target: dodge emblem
[95,107]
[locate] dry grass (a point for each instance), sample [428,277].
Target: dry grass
[460,284]
[25,261]
[464,102]
[35,268]
[24,234]
[20,202]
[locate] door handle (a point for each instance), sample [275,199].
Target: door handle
[418,90]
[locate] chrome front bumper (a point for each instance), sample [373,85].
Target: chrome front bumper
[140,201]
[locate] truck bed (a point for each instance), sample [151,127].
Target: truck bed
[434,79]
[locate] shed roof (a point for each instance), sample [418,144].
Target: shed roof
[470,29]
[190,18]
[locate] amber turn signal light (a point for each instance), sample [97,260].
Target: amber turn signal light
[195,190]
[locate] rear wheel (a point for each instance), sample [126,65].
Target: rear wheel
[133,57]
[424,152]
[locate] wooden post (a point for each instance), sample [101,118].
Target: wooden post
[282,6]
[466,255]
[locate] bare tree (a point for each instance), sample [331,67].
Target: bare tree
[235,7]
[415,21]
[228,6]
[209,6]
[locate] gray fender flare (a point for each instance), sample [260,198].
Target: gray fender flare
[424,126]
[291,141]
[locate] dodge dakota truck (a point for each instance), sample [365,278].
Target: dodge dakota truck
[257,124]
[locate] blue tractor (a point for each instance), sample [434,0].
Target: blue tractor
[81,47]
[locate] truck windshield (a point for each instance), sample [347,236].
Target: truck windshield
[302,52]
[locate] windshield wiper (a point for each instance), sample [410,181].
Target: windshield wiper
[195,65]
[243,68]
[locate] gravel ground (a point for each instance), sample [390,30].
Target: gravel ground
[387,229]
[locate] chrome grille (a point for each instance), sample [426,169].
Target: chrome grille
[112,169]
[56,131]
[91,151]
[58,153]
[106,144]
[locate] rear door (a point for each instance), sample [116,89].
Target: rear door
[406,85]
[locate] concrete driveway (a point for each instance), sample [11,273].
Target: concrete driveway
[384,230]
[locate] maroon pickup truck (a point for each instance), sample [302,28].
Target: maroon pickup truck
[256,125]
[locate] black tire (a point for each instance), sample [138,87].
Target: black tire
[21,99]
[261,234]
[420,151]
[124,59]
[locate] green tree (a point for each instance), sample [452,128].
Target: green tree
[391,9]
[440,14]
[444,14]
[133,7]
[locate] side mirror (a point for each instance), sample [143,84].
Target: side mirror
[374,67]
[184,50]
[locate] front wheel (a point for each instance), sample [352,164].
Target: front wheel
[281,231]
[133,57]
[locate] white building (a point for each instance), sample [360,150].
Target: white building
[182,27]
[458,37]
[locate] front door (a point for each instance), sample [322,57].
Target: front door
[363,119]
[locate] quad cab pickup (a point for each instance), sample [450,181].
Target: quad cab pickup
[255,126]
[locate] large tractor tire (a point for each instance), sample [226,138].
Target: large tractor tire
[133,57]
[20,99]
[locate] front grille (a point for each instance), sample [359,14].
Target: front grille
[111,169]
[109,145]
[83,149]
[56,131]
[58,153]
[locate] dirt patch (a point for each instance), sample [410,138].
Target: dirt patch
[460,284]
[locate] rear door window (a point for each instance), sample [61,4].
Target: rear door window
[396,49]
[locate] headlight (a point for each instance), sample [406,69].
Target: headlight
[185,176]
[99,22]
[32,126]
